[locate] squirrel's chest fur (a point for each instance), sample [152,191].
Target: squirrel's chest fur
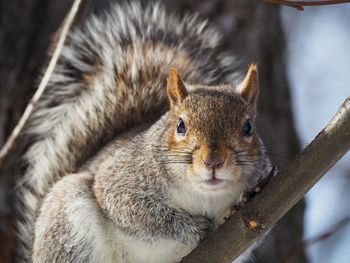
[216,206]
[160,251]
[90,227]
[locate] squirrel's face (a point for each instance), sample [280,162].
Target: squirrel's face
[212,135]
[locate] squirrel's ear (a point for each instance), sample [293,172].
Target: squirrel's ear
[176,88]
[249,88]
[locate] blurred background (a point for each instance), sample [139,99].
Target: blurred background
[318,65]
[304,64]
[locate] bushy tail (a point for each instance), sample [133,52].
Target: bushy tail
[111,76]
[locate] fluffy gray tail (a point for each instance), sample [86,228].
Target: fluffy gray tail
[111,76]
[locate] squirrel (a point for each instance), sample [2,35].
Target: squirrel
[142,143]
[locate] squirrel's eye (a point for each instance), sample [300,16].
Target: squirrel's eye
[248,128]
[181,128]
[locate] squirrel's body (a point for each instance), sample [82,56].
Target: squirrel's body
[149,195]
[138,191]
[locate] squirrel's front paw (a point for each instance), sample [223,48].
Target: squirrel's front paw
[194,229]
[205,225]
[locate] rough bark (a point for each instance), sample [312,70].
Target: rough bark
[251,29]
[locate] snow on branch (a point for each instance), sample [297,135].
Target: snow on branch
[279,195]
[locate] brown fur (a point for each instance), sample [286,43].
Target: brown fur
[148,186]
[215,117]
[132,183]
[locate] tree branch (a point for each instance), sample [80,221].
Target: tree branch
[300,4]
[43,84]
[279,196]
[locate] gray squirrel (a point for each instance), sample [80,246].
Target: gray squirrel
[142,143]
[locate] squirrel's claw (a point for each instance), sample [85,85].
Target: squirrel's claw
[250,193]
[263,181]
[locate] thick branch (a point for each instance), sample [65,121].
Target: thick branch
[300,4]
[280,195]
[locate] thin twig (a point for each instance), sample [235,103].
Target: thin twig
[300,4]
[309,242]
[67,23]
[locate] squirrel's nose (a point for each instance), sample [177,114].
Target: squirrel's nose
[213,163]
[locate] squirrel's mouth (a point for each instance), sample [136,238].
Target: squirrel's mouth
[214,184]
[214,181]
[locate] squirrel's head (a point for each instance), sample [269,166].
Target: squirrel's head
[212,135]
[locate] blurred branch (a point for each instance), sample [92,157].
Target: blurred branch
[307,243]
[280,194]
[300,4]
[66,25]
